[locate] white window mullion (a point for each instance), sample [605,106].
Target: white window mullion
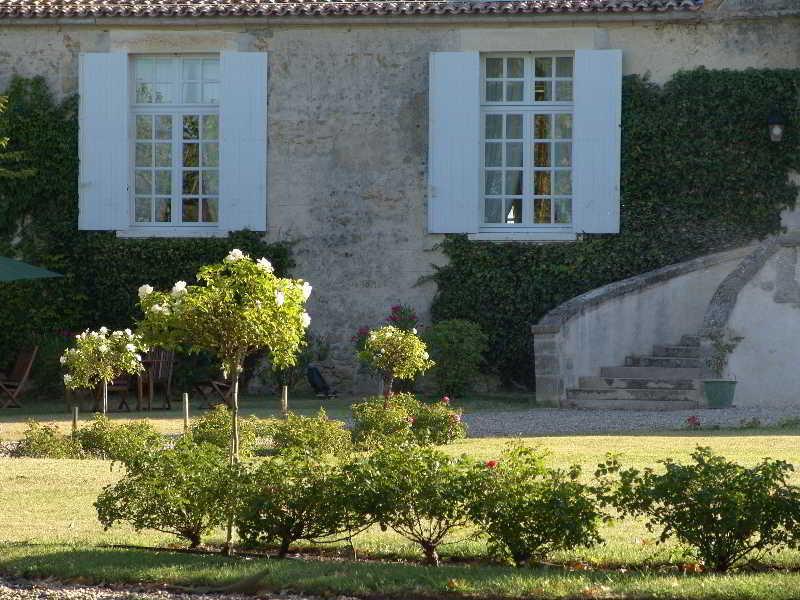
[177,163]
[527,170]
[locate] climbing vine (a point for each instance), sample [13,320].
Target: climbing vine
[699,174]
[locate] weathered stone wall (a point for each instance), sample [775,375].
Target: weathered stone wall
[348,123]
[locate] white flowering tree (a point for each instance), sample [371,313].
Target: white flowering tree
[395,354]
[239,307]
[100,357]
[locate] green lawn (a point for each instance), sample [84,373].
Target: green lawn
[48,528]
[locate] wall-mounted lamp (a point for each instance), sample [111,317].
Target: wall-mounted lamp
[777,125]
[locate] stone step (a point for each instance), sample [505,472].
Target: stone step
[620,404]
[662,361]
[650,372]
[637,383]
[690,340]
[646,395]
[677,351]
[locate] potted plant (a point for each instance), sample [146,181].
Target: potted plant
[718,391]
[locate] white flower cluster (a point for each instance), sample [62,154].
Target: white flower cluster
[235,255]
[265,265]
[145,290]
[179,288]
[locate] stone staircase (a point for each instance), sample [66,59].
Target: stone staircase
[669,379]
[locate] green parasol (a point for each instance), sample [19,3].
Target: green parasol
[14,270]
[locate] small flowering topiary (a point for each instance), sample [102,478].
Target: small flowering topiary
[396,354]
[101,356]
[403,317]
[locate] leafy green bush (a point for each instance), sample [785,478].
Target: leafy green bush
[395,354]
[457,347]
[401,418]
[421,493]
[296,496]
[41,440]
[529,510]
[187,491]
[317,435]
[214,427]
[722,510]
[125,442]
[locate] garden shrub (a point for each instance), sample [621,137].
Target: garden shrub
[317,435]
[214,427]
[41,440]
[124,442]
[529,510]
[421,493]
[457,347]
[295,496]
[396,354]
[188,491]
[401,418]
[723,511]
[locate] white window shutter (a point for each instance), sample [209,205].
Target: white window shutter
[596,131]
[454,142]
[103,141]
[243,141]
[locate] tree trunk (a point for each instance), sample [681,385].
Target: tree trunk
[431,556]
[194,539]
[105,397]
[284,549]
[388,381]
[284,400]
[234,455]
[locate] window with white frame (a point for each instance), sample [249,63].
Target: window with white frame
[526,118]
[175,157]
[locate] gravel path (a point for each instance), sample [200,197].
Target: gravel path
[23,589]
[553,421]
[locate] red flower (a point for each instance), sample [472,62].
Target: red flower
[693,422]
[491,464]
[445,400]
[411,420]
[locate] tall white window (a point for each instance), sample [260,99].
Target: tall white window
[526,120]
[175,170]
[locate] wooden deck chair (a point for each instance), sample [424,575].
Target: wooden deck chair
[215,388]
[121,385]
[13,384]
[159,364]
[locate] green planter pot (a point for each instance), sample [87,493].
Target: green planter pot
[719,392]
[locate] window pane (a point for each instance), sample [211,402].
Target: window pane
[494,68]
[191,93]
[210,182]
[494,91]
[191,127]
[563,91]
[210,210]
[494,127]
[191,182]
[543,91]
[541,127]
[162,93]
[513,183]
[190,157]
[210,127]
[514,66]
[142,210]
[494,183]
[144,127]
[144,155]
[190,212]
[514,154]
[144,182]
[192,69]
[563,210]
[165,72]
[143,68]
[541,154]
[564,126]
[564,66]
[210,93]
[514,211]
[494,154]
[562,183]
[163,182]
[210,154]
[211,69]
[541,210]
[493,210]
[514,127]
[514,91]
[543,67]
[541,186]
[163,210]
[163,127]
[163,155]
[144,93]
[563,152]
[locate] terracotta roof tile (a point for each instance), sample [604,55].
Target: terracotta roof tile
[11,9]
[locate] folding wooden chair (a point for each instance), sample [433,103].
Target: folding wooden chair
[159,364]
[223,390]
[121,385]
[13,384]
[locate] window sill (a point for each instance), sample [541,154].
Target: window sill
[523,236]
[172,232]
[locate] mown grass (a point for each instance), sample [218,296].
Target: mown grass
[48,527]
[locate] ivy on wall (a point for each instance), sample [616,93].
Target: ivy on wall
[38,223]
[699,174]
